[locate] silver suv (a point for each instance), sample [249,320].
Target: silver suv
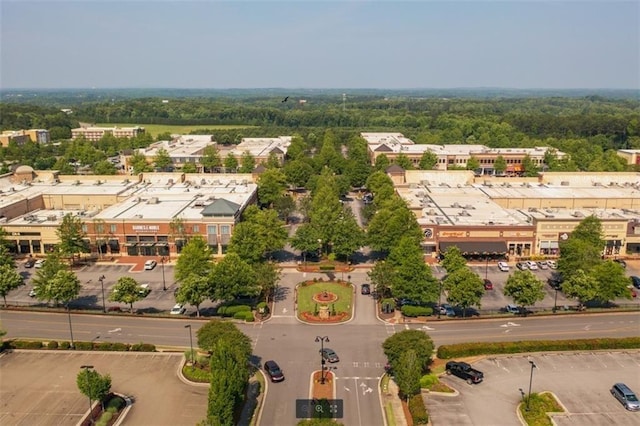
[626,396]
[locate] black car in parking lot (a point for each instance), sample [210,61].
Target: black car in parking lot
[29,263]
[273,370]
[635,281]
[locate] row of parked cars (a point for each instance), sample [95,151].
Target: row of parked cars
[534,266]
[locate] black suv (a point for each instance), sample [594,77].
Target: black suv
[635,281]
[365,289]
[273,370]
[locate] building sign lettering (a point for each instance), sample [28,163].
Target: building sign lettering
[458,234]
[145,228]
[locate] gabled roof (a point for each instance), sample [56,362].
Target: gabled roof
[277,150]
[220,207]
[383,148]
[394,168]
[260,168]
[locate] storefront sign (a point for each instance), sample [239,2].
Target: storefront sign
[457,234]
[145,228]
[563,236]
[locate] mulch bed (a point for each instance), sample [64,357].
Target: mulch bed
[338,317]
[97,412]
[323,391]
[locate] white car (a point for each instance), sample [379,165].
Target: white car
[178,309]
[552,264]
[39,263]
[145,289]
[503,266]
[149,265]
[532,265]
[543,265]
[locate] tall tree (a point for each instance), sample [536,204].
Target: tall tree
[407,373]
[403,161]
[63,287]
[162,160]
[428,161]
[298,172]
[72,236]
[233,277]
[453,260]
[231,163]
[194,289]
[10,279]
[500,164]
[53,263]
[412,278]
[93,385]
[393,221]
[525,288]
[211,158]
[473,163]
[581,286]
[464,287]
[348,237]
[285,205]
[6,258]
[267,276]
[271,185]
[216,330]
[195,259]
[381,276]
[247,162]
[138,163]
[403,341]
[306,239]
[127,290]
[612,281]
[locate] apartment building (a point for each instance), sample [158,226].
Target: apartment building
[21,137]
[94,134]
[631,156]
[454,156]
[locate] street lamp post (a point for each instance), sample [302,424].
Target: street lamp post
[164,283]
[486,268]
[104,307]
[555,301]
[190,344]
[87,368]
[533,365]
[73,346]
[440,299]
[322,339]
[522,394]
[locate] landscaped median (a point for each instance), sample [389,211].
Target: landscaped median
[321,301]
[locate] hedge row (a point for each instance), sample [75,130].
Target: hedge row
[229,311]
[418,410]
[470,349]
[244,315]
[327,267]
[416,311]
[81,346]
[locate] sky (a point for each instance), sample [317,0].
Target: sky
[320,44]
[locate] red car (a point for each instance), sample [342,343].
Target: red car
[488,285]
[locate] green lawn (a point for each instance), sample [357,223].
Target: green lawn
[156,129]
[306,292]
[540,405]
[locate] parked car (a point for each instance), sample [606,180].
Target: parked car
[532,265]
[329,355]
[273,371]
[522,265]
[145,289]
[178,309]
[488,285]
[446,309]
[512,309]
[149,265]
[555,282]
[552,264]
[626,396]
[464,371]
[29,263]
[621,262]
[503,266]
[543,264]
[635,281]
[39,263]
[32,293]
[365,288]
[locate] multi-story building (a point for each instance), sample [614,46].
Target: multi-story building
[494,217]
[453,156]
[21,137]
[183,149]
[94,134]
[151,215]
[632,156]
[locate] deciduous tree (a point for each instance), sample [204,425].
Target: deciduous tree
[93,385]
[464,287]
[194,289]
[233,277]
[195,259]
[405,340]
[525,288]
[10,279]
[71,236]
[127,290]
[428,161]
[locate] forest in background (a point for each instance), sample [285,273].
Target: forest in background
[588,125]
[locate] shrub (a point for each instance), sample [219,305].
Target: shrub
[84,346]
[116,403]
[111,346]
[428,380]
[122,347]
[327,267]
[142,347]
[416,311]
[52,345]
[26,344]
[230,311]
[248,316]
[388,304]
[65,345]
[196,374]
[105,418]
[263,308]
[418,410]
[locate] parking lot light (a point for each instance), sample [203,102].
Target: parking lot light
[322,339]
[533,365]
[104,307]
[190,344]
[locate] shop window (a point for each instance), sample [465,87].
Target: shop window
[196,229]
[132,251]
[113,228]
[225,229]
[131,238]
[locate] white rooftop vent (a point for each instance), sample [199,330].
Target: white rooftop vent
[564,183]
[153,200]
[577,214]
[138,216]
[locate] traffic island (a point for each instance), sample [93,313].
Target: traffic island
[323,389]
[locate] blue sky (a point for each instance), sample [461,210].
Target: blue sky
[319,44]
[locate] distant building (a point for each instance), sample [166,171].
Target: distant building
[452,156]
[94,134]
[631,156]
[21,137]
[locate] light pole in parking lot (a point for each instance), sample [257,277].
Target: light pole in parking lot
[104,307]
[533,365]
[555,300]
[439,298]
[164,283]
[190,343]
[486,268]
[322,339]
[522,394]
[87,368]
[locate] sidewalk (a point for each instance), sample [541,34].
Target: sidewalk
[391,397]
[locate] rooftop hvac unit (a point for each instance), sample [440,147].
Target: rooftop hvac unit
[198,203]
[153,200]
[52,218]
[456,205]
[564,183]
[431,212]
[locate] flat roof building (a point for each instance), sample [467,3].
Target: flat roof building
[94,134]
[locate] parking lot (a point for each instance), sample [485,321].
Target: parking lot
[39,388]
[581,382]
